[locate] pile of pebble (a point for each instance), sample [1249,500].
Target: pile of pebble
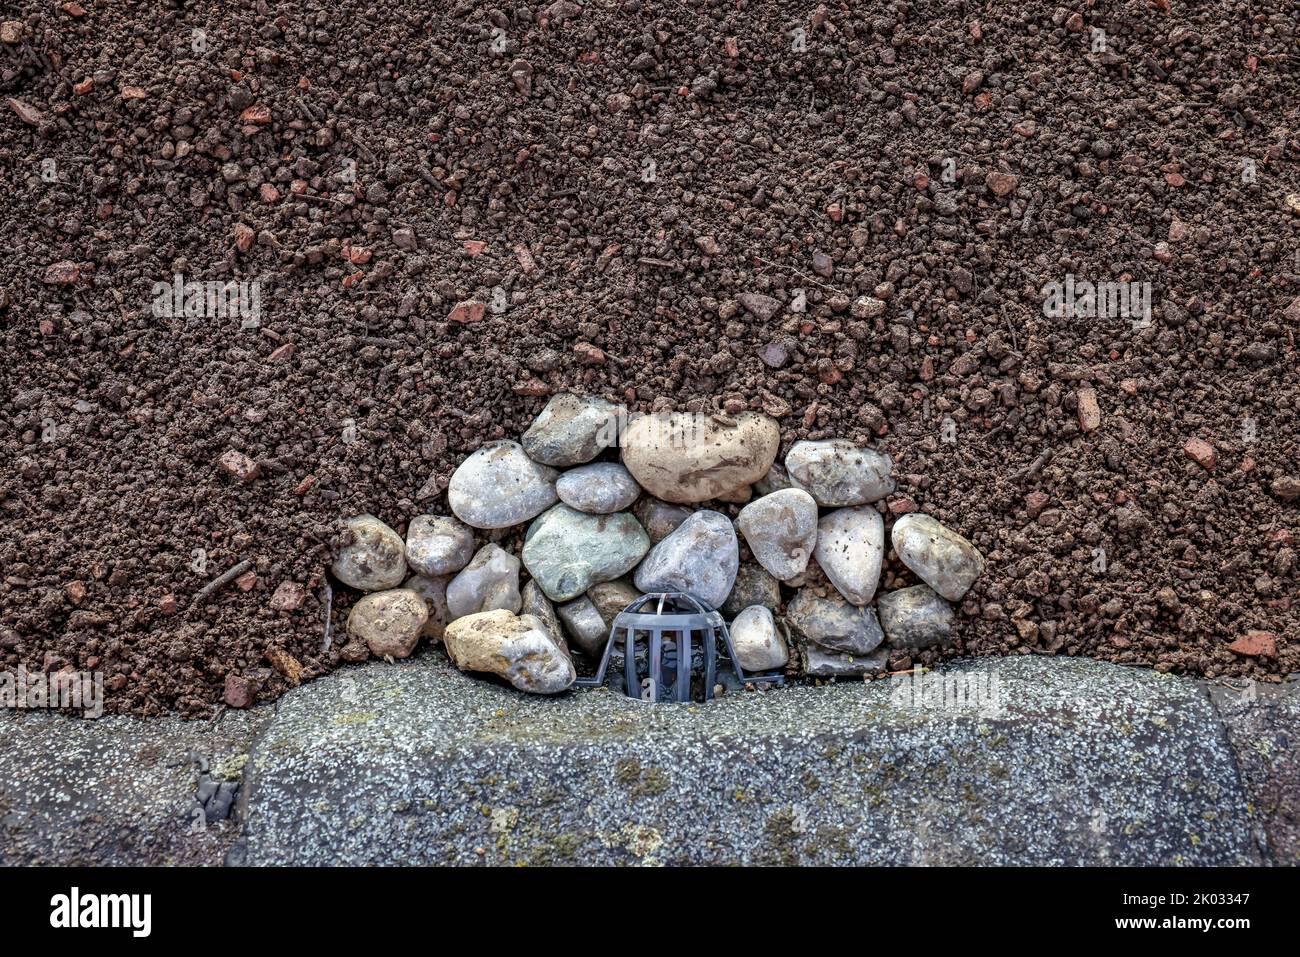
[603,532]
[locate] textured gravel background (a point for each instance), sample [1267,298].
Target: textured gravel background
[373,164]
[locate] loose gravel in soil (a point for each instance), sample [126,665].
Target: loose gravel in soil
[444,213]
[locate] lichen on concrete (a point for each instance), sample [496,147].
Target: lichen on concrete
[1083,762]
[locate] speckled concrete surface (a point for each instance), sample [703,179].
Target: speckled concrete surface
[1066,761]
[119,791]
[1059,761]
[1263,723]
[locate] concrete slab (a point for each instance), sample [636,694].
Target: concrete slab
[1263,726]
[117,791]
[1039,761]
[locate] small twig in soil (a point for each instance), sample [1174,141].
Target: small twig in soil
[1015,342]
[221,581]
[329,609]
[320,199]
[1037,465]
[803,276]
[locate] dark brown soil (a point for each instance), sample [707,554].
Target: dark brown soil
[773,170]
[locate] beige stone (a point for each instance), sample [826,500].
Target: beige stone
[687,457]
[389,622]
[516,648]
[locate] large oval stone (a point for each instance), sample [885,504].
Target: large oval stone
[850,550]
[499,486]
[915,617]
[585,626]
[489,582]
[438,545]
[700,558]
[389,622]
[573,429]
[831,622]
[781,531]
[758,644]
[567,551]
[372,556]
[515,648]
[689,457]
[940,557]
[836,472]
[599,488]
